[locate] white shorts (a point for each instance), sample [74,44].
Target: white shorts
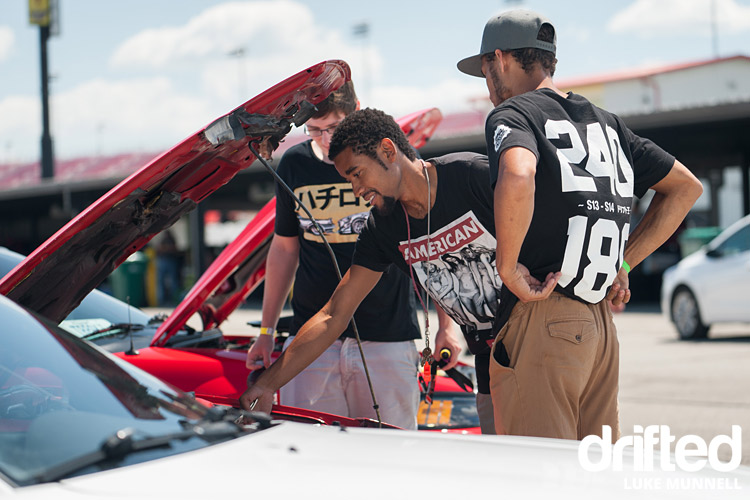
[336,382]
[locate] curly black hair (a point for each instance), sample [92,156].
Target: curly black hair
[363,130]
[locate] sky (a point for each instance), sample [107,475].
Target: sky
[141,75]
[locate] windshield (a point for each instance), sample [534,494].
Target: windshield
[62,397]
[98,312]
[96,304]
[737,243]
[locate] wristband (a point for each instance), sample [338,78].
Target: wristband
[267,330]
[626,266]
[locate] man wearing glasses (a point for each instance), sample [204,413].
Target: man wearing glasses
[335,382]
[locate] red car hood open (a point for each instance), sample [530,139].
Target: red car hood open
[420,126]
[54,278]
[241,266]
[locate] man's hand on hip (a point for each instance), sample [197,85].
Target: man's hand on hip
[526,287]
[619,292]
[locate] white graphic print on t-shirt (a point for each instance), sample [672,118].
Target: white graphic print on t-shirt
[596,244]
[501,132]
[459,270]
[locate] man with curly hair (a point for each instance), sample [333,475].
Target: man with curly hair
[421,211]
[336,382]
[564,174]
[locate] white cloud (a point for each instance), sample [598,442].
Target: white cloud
[141,114]
[448,95]
[107,117]
[279,39]
[6,42]
[103,116]
[20,128]
[654,18]
[223,78]
[265,30]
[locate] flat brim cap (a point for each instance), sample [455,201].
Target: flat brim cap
[515,29]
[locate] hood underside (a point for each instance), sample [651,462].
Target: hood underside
[54,278]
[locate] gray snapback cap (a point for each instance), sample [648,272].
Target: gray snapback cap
[515,29]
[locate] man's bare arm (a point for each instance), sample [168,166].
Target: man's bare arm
[314,337]
[281,264]
[514,208]
[445,338]
[675,195]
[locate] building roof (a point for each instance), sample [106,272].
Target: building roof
[25,177]
[643,72]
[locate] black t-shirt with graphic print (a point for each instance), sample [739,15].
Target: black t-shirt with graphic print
[388,313]
[589,166]
[459,273]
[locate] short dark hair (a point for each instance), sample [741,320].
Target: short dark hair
[343,100]
[528,57]
[363,130]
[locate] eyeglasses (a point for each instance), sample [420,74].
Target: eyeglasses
[317,132]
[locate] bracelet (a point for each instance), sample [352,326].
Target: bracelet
[267,330]
[626,266]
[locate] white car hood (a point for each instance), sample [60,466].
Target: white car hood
[304,461]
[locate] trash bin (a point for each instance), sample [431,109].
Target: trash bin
[694,238]
[128,280]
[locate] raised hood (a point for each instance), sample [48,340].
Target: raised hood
[54,278]
[241,266]
[420,126]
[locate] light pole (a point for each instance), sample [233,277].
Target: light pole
[43,13]
[362,30]
[239,53]
[48,162]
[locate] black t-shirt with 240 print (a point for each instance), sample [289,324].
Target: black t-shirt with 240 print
[589,166]
[388,313]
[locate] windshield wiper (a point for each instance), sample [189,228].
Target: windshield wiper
[123,443]
[252,420]
[111,329]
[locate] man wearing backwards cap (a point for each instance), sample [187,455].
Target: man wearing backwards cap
[564,173]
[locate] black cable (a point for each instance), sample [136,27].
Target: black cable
[281,182]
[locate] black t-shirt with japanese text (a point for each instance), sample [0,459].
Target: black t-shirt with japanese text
[589,166]
[459,271]
[388,313]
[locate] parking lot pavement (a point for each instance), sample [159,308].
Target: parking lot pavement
[697,388]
